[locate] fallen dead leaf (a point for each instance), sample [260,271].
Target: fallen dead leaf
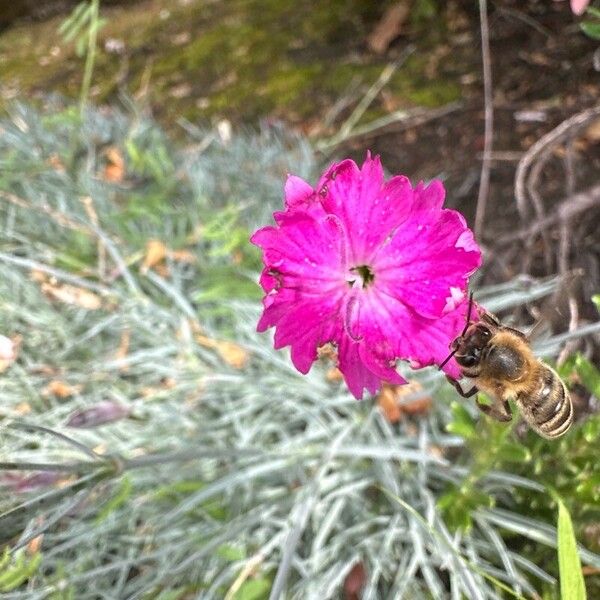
[395,401]
[388,404]
[355,582]
[71,294]
[327,352]
[334,375]
[156,252]
[233,354]
[123,349]
[168,382]
[389,27]
[38,276]
[100,413]
[56,163]
[114,171]
[184,256]
[418,406]
[162,269]
[22,409]
[60,389]
[35,545]
[45,370]
[435,451]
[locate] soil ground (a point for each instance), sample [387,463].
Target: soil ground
[310,65]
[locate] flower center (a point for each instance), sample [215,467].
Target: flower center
[361,277]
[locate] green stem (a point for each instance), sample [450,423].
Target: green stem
[90,58]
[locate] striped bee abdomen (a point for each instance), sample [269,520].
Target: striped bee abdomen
[549,411]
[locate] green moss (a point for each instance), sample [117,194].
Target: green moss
[241,59]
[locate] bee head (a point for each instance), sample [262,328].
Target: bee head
[468,348]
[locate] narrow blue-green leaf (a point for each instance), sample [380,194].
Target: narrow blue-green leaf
[572,586]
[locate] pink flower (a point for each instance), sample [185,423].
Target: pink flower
[579,6]
[378,268]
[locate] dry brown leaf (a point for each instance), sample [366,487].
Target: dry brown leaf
[435,451]
[184,256]
[395,401]
[168,382]
[388,404]
[233,354]
[60,389]
[71,294]
[237,257]
[56,163]
[327,352]
[114,171]
[22,409]
[35,545]
[156,252]
[45,370]
[418,406]
[162,270]
[355,582]
[123,349]
[389,27]
[334,375]
[38,276]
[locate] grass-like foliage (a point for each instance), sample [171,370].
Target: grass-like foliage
[154,446]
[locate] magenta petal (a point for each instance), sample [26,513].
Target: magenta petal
[297,191]
[356,375]
[422,263]
[376,350]
[369,208]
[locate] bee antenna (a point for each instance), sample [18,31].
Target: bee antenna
[469,310]
[446,360]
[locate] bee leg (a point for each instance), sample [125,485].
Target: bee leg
[499,410]
[459,389]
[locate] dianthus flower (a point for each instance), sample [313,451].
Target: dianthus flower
[377,268]
[579,6]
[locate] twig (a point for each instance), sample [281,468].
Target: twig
[543,147]
[88,204]
[568,209]
[403,118]
[59,217]
[34,265]
[367,99]
[524,18]
[61,436]
[484,182]
[81,466]
[249,568]
[538,205]
[573,324]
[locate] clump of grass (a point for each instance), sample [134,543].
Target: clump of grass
[210,467]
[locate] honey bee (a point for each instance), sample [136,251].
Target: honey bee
[501,363]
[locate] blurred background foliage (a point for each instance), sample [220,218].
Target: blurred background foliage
[152,444]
